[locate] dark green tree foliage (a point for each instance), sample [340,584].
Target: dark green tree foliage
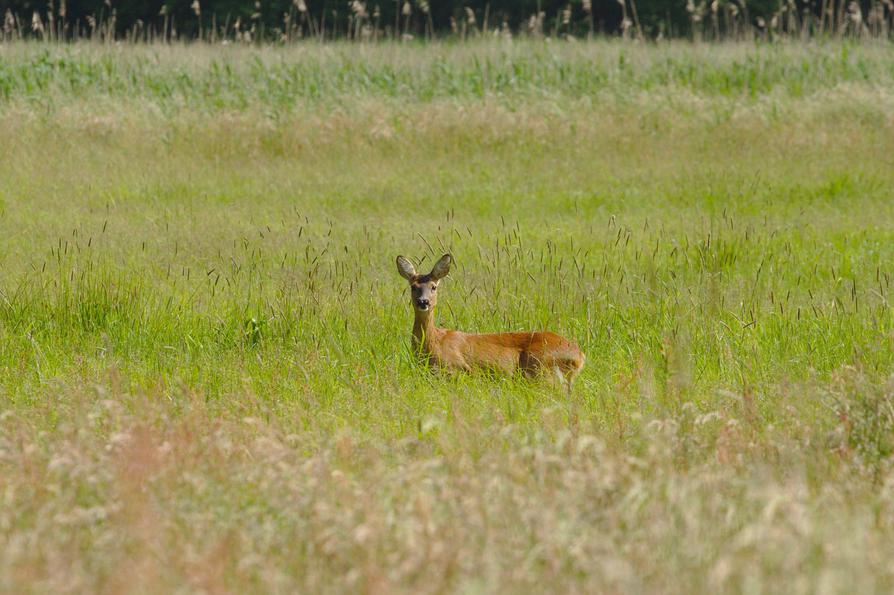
[269,17]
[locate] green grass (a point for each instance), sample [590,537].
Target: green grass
[204,342]
[282,80]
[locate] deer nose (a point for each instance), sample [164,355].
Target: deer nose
[423,303]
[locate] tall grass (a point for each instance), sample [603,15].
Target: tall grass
[292,80]
[206,375]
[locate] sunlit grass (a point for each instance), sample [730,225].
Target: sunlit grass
[206,380]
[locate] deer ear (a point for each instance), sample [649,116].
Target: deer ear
[405,268]
[442,267]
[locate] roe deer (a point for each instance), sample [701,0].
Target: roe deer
[532,353]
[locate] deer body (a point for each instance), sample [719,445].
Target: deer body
[532,353]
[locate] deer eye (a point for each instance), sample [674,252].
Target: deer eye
[434,287]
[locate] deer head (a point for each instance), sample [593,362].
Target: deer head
[423,288]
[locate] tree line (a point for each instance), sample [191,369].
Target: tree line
[289,20]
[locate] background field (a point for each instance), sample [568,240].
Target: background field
[206,377]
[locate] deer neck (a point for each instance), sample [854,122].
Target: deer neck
[424,330]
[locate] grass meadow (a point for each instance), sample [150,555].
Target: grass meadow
[206,382]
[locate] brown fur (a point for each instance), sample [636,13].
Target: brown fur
[532,353]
